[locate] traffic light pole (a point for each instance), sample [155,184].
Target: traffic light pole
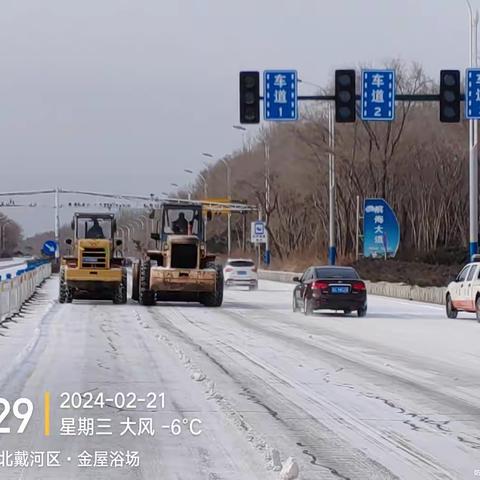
[332,250]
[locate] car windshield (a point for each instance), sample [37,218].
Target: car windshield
[94,227]
[241,263]
[340,273]
[181,221]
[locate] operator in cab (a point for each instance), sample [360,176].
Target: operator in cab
[95,231]
[180,225]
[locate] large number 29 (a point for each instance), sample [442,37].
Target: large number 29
[23,416]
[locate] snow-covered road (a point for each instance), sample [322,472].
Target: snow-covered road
[393,395]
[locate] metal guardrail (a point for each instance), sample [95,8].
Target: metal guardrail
[16,291]
[385,289]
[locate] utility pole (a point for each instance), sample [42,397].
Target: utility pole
[472,143]
[57,225]
[332,250]
[267,198]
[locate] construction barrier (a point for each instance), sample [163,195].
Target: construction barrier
[15,291]
[385,289]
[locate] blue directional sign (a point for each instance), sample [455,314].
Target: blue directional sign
[472,93]
[49,248]
[381,230]
[280,92]
[378,95]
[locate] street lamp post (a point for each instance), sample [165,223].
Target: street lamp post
[244,131]
[204,180]
[147,225]
[122,231]
[129,237]
[472,143]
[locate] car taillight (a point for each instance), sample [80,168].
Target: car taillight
[358,286]
[72,263]
[319,285]
[254,269]
[229,269]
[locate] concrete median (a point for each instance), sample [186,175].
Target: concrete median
[385,289]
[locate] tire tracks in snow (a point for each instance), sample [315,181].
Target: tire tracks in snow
[333,462]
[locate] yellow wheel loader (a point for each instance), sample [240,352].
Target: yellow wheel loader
[179,268]
[93,270]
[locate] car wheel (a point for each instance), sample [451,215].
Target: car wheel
[452,312]
[361,312]
[294,305]
[307,307]
[347,311]
[477,308]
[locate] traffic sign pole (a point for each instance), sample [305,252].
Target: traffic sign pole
[267,198]
[473,140]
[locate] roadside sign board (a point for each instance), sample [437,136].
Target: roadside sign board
[280,92]
[49,248]
[472,94]
[381,230]
[378,95]
[258,233]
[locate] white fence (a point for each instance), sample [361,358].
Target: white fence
[15,291]
[395,290]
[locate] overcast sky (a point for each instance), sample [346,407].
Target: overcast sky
[122,95]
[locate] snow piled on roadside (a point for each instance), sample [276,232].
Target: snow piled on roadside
[288,470]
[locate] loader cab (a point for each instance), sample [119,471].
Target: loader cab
[181,220]
[93,226]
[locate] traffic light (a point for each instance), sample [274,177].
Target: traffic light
[450,96]
[249,97]
[345,100]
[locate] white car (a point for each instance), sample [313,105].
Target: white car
[463,294]
[242,272]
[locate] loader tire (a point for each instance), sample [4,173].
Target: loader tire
[62,287]
[215,298]
[145,295]
[120,294]
[135,281]
[69,295]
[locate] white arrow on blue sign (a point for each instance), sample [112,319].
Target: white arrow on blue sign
[472,93]
[378,95]
[49,248]
[280,91]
